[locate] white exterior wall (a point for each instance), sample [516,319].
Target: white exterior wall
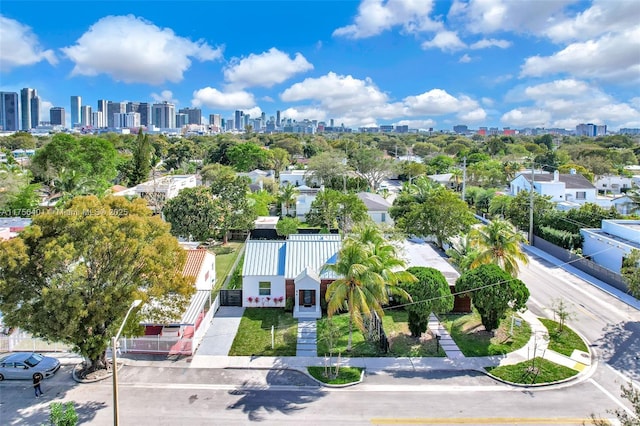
[381,217]
[554,189]
[303,205]
[251,286]
[627,229]
[520,183]
[613,184]
[590,195]
[604,251]
[207,274]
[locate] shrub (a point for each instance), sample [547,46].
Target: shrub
[63,415]
[289,304]
[564,239]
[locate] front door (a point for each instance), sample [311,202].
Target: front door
[307,297]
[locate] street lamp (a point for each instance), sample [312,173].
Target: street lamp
[114,341]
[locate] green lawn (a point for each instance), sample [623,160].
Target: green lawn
[254,333]
[224,261]
[472,339]
[345,375]
[394,322]
[563,342]
[527,373]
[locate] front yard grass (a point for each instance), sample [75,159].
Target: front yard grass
[472,339]
[254,333]
[395,325]
[538,370]
[224,260]
[564,341]
[345,375]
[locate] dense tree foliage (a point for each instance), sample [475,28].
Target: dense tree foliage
[233,203]
[193,213]
[430,293]
[631,272]
[370,164]
[492,291]
[325,166]
[71,276]
[331,208]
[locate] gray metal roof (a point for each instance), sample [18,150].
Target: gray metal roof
[195,307]
[313,254]
[571,181]
[374,202]
[264,257]
[314,237]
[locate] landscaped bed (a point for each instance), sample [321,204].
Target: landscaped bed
[537,370]
[565,341]
[345,375]
[395,324]
[473,340]
[254,333]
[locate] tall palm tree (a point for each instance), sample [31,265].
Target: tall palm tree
[499,243]
[461,254]
[288,196]
[359,288]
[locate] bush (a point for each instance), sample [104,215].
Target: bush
[564,239]
[63,417]
[289,304]
[220,250]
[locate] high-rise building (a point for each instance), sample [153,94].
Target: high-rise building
[76,103]
[182,120]
[97,120]
[102,105]
[194,115]
[114,108]
[56,116]
[215,120]
[278,118]
[237,119]
[143,108]
[29,108]
[591,130]
[164,115]
[85,116]
[9,111]
[126,120]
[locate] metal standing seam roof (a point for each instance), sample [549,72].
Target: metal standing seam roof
[314,237]
[314,254]
[195,307]
[264,257]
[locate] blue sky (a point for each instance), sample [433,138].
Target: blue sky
[544,63]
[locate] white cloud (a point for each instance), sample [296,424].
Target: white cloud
[464,59]
[601,18]
[490,42]
[416,124]
[45,106]
[213,98]
[376,16]
[19,46]
[489,16]
[445,40]
[254,112]
[439,102]
[265,70]
[165,95]
[302,113]
[614,57]
[566,103]
[474,116]
[488,102]
[133,50]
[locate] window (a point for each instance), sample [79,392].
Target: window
[264,288]
[383,217]
[582,195]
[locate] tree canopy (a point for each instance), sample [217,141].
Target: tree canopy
[430,293]
[492,290]
[71,276]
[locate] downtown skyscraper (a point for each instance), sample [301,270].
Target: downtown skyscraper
[76,104]
[29,109]
[8,111]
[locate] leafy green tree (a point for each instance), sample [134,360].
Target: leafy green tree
[518,210]
[288,196]
[141,160]
[631,272]
[371,165]
[492,290]
[287,226]
[179,153]
[462,254]
[234,211]
[443,215]
[430,293]
[192,213]
[499,205]
[498,243]
[279,159]
[261,202]
[89,163]
[331,208]
[410,170]
[326,166]
[70,277]
[63,415]
[212,172]
[440,164]
[247,156]
[292,145]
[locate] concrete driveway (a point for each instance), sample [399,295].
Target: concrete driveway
[417,252]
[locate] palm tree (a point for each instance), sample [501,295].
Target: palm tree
[360,289]
[499,243]
[288,196]
[461,254]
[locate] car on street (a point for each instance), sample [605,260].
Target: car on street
[27,366]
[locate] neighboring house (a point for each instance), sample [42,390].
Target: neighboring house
[182,335]
[10,226]
[445,179]
[274,271]
[157,191]
[305,197]
[297,178]
[572,187]
[611,243]
[377,207]
[613,184]
[257,175]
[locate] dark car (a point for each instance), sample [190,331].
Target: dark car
[27,366]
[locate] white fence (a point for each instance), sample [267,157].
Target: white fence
[22,341]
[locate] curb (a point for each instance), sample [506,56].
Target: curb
[79,380]
[329,385]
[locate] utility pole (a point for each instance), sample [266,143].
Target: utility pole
[531,203]
[464,176]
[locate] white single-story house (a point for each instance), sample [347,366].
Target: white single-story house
[182,335]
[571,187]
[161,189]
[445,179]
[275,270]
[611,243]
[377,207]
[258,175]
[305,197]
[613,184]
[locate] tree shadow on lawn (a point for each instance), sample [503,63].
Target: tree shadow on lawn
[255,400]
[620,347]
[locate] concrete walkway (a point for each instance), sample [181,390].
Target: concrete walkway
[446,341]
[307,344]
[221,333]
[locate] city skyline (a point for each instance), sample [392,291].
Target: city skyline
[421,64]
